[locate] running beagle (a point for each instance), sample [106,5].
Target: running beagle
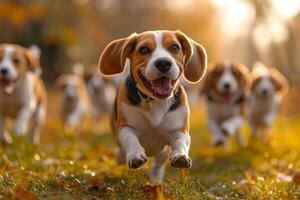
[75,102]
[22,92]
[151,111]
[268,88]
[225,88]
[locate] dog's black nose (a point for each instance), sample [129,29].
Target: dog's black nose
[4,71]
[227,86]
[163,65]
[265,92]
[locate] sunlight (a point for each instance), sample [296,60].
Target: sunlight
[178,4]
[269,31]
[235,15]
[286,9]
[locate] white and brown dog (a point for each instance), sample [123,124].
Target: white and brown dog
[268,88]
[151,112]
[22,92]
[75,102]
[101,92]
[225,88]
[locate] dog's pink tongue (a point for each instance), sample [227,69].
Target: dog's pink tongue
[7,86]
[162,86]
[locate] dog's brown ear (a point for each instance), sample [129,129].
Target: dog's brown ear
[244,73]
[33,62]
[113,58]
[207,79]
[279,81]
[254,83]
[60,82]
[195,61]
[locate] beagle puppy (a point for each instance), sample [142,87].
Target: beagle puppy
[101,92]
[75,103]
[151,111]
[225,89]
[22,92]
[268,88]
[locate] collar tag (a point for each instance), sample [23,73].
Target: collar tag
[146,102]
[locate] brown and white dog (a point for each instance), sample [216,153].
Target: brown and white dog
[268,88]
[101,92]
[225,88]
[22,92]
[151,112]
[75,102]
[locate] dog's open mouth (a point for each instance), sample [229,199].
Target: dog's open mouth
[227,96]
[7,86]
[160,87]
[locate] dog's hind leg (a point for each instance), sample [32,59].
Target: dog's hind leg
[120,156]
[239,138]
[37,120]
[158,166]
[4,136]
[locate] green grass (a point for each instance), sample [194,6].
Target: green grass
[83,167]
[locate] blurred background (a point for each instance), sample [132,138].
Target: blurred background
[78,30]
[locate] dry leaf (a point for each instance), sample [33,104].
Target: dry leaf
[98,184]
[153,191]
[296,178]
[22,194]
[244,184]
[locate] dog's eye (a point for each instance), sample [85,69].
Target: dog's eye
[144,51]
[174,48]
[16,61]
[217,72]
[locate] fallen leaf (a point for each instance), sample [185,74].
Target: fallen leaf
[296,178]
[23,194]
[153,191]
[244,184]
[98,184]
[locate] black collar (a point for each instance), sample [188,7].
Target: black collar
[140,93]
[135,96]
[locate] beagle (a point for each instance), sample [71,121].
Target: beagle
[100,91]
[151,111]
[22,92]
[268,88]
[75,103]
[225,89]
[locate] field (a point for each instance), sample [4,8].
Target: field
[83,167]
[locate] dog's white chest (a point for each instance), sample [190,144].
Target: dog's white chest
[222,111]
[154,125]
[23,94]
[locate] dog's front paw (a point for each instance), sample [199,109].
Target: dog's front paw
[181,161]
[137,160]
[20,129]
[6,139]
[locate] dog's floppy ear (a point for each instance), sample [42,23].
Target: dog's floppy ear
[60,82]
[33,62]
[207,80]
[279,81]
[113,58]
[244,73]
[195,61]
